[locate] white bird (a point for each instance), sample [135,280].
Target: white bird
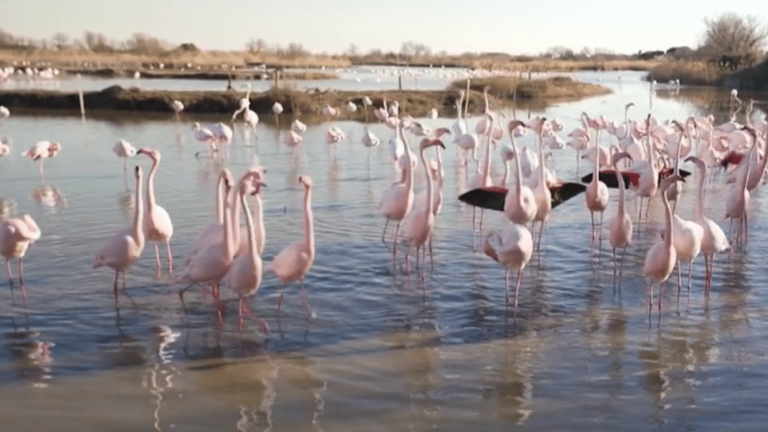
[512,248]
[41,151]
[16,234]
[351,107]
[277,108]
[4,112]
[5,149]
[298,127]
[124,149]
[178,107]
[432,113]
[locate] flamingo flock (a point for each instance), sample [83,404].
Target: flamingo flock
[643,159]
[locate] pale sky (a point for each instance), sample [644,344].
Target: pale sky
[516,27]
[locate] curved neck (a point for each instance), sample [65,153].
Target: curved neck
[409,165]
[459,107]
[519,185]
[668,214]
[151,203]
[249,224]
[487,163]
[626,122]
[700,193]
[219,201]
[597,156]
[235,215]
[430,202]
[229,243]
[466,101]
[309,231]
[542,180]
[138,215]
[505,179]
[620,179]
[258,221]
[677,155]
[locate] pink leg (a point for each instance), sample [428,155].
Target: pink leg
[517,288]
[170,256]
[10,275]
[280,298]
[21,279]
[250,313]
[384,233]
[157,256]
[394,244]
[506,287]
[661,293]
[42,175]
[114,291]
[304,299]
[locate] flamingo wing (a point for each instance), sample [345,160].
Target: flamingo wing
[493,197]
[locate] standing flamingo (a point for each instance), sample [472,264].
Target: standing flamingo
[714,240]
[512,248]
[212,263]
[519,206]
[621,224]
[661,258]
[397,199]
[419,222]
[42,150]
[124,247]
[295,260]
[123,149]
[597,192]
[178,107]
[16,234]
[157,223]
[245,103]
[244,277]
[214,232]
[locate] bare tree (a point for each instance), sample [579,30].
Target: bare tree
[60,40]
[96,42]
[256,45]
[732,34]
[352,51]
[141,43]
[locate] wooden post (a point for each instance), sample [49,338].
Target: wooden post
[400,82]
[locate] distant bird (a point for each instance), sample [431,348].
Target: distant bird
[41,151]
[351,107]
[298,127]
[5,149]
[432,113]
[178,107]
[123,149]
[4,112]
[205,135]
[121,250]
[16,234]
[277,108]
[245,103]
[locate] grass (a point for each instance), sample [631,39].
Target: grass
[507,87]
[688,72]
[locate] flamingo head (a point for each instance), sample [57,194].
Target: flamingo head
[514,124]
[152,153]
[196,126]
[54,148]
[226,174]
[426,142]
[306,181]
[619,156]
[698,162]
[138,172]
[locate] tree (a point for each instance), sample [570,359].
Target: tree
[256,45]
[60,40]
[732,34]
[96,42]
[352,51]
[141,43]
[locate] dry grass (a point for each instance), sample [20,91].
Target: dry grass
[688,72]
[546,89]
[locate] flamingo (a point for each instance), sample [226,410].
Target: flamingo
[420,220]
[123,149]
[597,192]
[4,112]
[121,250]
[41,151]
[298,127]
[661,258]
[621,224]
[214,232]
[541,193]
[397,199]
[737,203]
[369,140]
[205,135]
[714,240]
[519,206]
[245,103]
[212,263]
[16,235]
[512,248]
[482,178]
[157,223]
[178,107]
[295,260]
[351,108]
[5,149]
[244,277]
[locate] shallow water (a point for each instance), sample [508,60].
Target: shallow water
[354,78]
[386,351]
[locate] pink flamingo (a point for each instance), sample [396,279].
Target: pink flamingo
[620,234]
[16,234]
[212,263]
[244,277]
[398,198]
[213,232]
[512,248]
[661,258]
[41,151]
[295,260]
[124,247]
[157,221]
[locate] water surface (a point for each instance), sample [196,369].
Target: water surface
[386,352]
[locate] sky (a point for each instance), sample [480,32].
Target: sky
[456,26]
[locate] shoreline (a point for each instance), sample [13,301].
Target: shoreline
[416,103]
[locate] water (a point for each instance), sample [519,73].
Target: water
[386,352]
[353,78]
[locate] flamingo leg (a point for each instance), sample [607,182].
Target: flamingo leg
[592,214]
[690,274]
[304,299]
[640,214]
[601,227]
[431,262]
[170,255]
[517,288]
[506,287]
[384,233]
[621,266]
[21,279]
[181,293]
[42,175]
[394,244]
[661,293]
[114,291]
[247,309]
[650,297]
[482,212]
[679,277]
[10,274]
[157,257]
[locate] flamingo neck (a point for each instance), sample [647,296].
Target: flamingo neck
[519,185]
[430,202]
[138,215]
[229,243]
[309,231]
[249,224]
[258,221]
[542,178]
[597,157]
[151,202]
[668,215]
[466,102]
[505,179]
[626,122]
[700,192]
[620,178]
[219,201]
[487,164]
[409,165]
[235,215]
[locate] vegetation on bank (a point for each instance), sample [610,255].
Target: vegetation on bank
[531,93]
[558,88]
